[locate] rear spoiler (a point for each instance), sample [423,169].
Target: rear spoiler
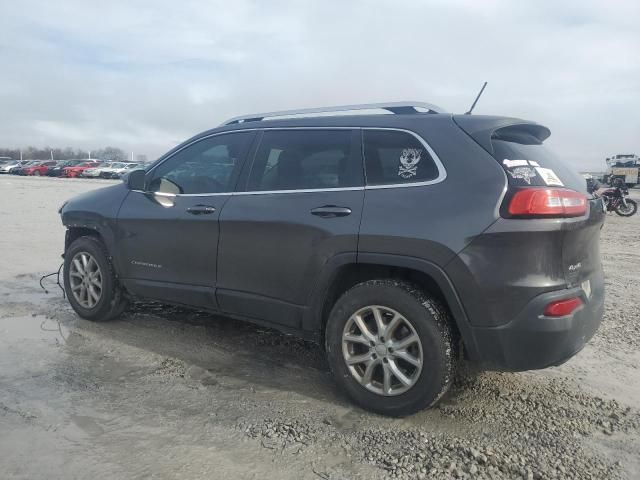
[482,128]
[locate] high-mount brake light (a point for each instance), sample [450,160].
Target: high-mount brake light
[547,202]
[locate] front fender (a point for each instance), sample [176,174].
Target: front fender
[97,211]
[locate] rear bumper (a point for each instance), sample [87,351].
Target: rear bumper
[532,341]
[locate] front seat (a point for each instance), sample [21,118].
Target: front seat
[289,170]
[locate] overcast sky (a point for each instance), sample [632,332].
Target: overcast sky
[145,75]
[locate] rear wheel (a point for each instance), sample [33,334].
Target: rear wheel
[629,210]
[90,282]
[36,173]
[390,347]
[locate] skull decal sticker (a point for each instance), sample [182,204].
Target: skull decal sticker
[523,173]
[409,159]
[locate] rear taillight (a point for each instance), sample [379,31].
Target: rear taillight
[562,308]
[547,202]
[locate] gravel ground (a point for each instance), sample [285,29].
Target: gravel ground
[169,393]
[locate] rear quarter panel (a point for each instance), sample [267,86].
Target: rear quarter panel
[435,222]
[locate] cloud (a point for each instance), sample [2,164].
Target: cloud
[145,75]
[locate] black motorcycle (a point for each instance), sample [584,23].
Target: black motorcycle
[615,201]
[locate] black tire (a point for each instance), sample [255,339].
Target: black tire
[112,301]
[633,209]
[432,325]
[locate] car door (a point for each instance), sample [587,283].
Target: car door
[168,234]
[301,206]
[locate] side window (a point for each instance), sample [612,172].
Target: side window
[211,165]
[393,157]
[305,159]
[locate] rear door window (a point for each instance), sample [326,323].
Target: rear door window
[306,160]
[396,157]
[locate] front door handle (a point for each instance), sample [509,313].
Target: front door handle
[201,210]
[331,211]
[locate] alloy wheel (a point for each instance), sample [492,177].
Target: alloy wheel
[382,350]
[85,278]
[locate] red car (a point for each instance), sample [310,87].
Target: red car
[76,170]
[38,169]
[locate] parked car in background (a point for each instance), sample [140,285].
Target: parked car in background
[76,170]
[111,172]
[37,169]
[62,164]
[10,165]
[17,170]
[95,172]
[119,171]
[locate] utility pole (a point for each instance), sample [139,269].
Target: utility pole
[51,154]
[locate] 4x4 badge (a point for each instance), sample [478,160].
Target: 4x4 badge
[409,159]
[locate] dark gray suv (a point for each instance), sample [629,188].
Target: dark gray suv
[400,241]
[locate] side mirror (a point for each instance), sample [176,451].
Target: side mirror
[135,179]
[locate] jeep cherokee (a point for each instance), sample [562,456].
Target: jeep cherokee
[400,241]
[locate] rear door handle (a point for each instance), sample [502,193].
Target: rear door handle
[201,210]
[331,211]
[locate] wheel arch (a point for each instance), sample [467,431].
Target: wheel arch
[88,230]
[341,273]
[73,233]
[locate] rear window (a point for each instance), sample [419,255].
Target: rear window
[528,162]
[395,157]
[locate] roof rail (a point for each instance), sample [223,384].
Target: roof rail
[393,107]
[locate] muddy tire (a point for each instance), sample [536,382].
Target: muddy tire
[632,208]
[390,346]
[90,281]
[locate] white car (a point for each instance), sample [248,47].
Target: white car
[96,172]
[5,167]
[117,172]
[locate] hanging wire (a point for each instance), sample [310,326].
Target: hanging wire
[57,274]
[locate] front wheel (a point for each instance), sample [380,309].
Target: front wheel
[90,282]
[390,347]
[629,210]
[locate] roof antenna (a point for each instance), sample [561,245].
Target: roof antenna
[476,100]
